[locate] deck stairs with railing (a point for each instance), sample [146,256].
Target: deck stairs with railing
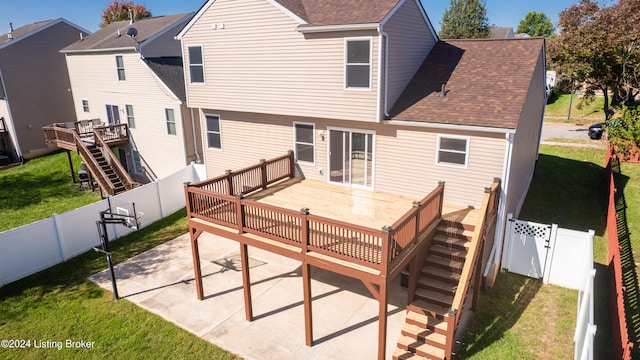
[115,181]
[424,333]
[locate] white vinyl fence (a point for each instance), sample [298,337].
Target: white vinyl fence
[34,247]
[561,257]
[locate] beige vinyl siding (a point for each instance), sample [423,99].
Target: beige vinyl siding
[37,85]
[94,78]
[527,137]
[259,63]
[189,134]
[408,46]
[404,157]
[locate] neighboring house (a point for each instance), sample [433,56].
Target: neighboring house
[131,73]
[34,86]
[367,97]
[501,33]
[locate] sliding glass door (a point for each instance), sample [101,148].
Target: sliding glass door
[351,158]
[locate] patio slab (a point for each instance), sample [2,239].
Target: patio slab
[345,315]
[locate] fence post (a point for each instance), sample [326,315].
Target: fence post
[229,182]
[263,173]
[157,185]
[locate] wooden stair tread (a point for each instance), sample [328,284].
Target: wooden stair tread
[452,242]
[432,271]
[422,334]
[427,308]
[448,252]
[444,229]
[420,348]
[434,296]
[399,354]
[427,321]
[453,264]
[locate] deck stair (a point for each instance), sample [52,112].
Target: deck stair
[112,176]
[424,334]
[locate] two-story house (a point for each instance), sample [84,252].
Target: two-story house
[368,98]
[34,85]
[131,73]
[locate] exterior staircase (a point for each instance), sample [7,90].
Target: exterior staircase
[424,334]
[112,176]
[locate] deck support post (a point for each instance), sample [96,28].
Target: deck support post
[246,282]
[73,173]
[382,319]
[194,233]
[308,317]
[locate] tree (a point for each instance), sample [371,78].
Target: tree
[536,24]
[118,10]
[465,19]
[600,47]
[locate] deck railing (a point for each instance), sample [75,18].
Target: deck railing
[115,164]
[59,132]
[221,201]
[112,133]
[472,267]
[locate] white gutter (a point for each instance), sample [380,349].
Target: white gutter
[134,48]
[498,242]
[195,139]
[450,126]
[16,143]
[386,73]
[329,28]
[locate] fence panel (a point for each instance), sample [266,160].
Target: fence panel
[39,245]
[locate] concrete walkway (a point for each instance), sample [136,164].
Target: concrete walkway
[345,315]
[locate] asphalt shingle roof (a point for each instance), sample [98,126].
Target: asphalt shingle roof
[169,70]
[339,12]
[107,37]
[487,82]
[16,34]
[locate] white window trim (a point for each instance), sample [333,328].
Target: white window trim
[124,72]
[130,116]
[344,65]
[206,131]
[204,76]
[373,157]
[466,152]
[166,121]
[295,142]
[85,109]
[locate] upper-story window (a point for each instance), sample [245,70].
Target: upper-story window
[171,121]
[196,65]
[131,120]
[85,105]
[214,135]
[357,72]
[120,67]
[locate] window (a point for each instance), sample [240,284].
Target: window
[85,105]
[214,138]
[130,119]
[196,65]
[171,121]
[453,151]
[120,67]
[113,115]
[137,164]
[304,142]
[358,64]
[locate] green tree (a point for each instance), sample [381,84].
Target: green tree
[536,24]
[118,10]
[465,19]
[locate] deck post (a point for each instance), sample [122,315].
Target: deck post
[416,206]
[382,319]
[246,282]
[193,233]
[263,173]
[308,316]
[229,182]
[292,164]
[240,213]
[73,173]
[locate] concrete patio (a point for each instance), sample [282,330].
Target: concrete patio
[344,313]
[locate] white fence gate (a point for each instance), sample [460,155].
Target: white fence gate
[560,257]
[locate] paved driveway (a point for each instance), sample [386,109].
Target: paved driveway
[557,132]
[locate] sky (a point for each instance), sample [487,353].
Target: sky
[87,13]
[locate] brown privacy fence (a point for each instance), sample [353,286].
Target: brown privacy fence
[624,284]
[221,201]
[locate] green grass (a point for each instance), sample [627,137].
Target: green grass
[629,182]
[60,303]
[39,188]
[519,318]
[557,109]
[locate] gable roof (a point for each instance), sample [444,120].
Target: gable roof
[313,13]
[23,32]
[501,33]
[107,38]
[486,83]
[169,71]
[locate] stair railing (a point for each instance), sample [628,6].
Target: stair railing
[114,163]
[472,264]
[147,169]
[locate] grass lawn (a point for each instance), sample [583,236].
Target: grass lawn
[60,303]
[39,188]
[629,182]
[557,109]
[519,318]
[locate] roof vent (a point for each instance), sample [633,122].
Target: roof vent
[443,92]
[119,33]
[10,35]
[131,16]
[81,36]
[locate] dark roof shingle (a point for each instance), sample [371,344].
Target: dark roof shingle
[486,83]
[16,34]
[339,12]
[169,70]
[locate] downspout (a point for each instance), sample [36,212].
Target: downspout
[501,223]
[383,91]
[195,139]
